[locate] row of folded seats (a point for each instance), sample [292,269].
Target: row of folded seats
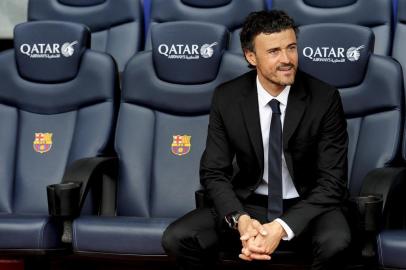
[118,26]
[133,156]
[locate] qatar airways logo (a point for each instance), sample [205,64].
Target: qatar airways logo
[48,50]
[333,54]
[187,51]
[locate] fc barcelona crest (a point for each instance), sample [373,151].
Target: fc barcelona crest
[42,142]
[181,144]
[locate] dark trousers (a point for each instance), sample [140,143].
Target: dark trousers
[197,238]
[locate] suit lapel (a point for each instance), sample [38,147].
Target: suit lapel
[250,110]
[294,110]
[293,115]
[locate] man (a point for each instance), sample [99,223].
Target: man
[287,132]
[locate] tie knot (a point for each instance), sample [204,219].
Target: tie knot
[275,106]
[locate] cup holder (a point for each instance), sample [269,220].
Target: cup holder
[367,212]
[63,199]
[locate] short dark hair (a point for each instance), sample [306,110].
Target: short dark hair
[267,22]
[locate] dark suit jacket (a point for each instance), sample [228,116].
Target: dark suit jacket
[314,143]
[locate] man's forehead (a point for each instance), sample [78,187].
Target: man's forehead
[284,37]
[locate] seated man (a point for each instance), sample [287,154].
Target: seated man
[287,132]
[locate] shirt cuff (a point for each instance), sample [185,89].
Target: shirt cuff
[290,234]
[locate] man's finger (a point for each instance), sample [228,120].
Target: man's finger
[245,258]
[258,226]
[245,237]
[262,257]
[253,232]
[246,252]
[255,249]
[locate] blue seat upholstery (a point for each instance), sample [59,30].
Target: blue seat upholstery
[392,242]
[370,86]
[160,136]
[399,38]
[56,106]
[375,14]
[230,13]
[116,26]
[392,248]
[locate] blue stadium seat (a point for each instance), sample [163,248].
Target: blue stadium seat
[56,106]
[399,38]
[160,137]
[392,242]
[392,248]
[375,14]
[230,13]
[371,88]
[116,26]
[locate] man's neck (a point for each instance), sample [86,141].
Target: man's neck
[273,89]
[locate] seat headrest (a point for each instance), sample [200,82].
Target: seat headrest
[49,51]
[81,3]
[329,4]
[186,52]
[335,53]
[401,11]
[206,4]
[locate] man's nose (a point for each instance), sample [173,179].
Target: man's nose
[285,57]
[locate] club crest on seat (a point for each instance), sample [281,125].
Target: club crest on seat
[181,144]
[42,142]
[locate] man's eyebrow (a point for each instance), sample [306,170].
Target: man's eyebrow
[279,48]
[273,49]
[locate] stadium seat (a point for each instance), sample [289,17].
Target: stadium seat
[371,88]
[116,26]
[56,106]
[392,241]
[399,38]
[375,14]
[392,247]
[160,137]
[230,13]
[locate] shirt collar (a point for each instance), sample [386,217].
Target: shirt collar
[264,97]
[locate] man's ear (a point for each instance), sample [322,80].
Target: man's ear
[250,56]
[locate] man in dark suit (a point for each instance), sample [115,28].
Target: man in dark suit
[287,133]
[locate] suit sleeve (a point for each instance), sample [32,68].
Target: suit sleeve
[330,187]
[216,164]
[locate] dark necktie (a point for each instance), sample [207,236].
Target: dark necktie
[275,200]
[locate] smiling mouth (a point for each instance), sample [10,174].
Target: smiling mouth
[286,68]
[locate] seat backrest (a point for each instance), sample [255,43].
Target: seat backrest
[163,116]
[370,86]
[56,106]
[375,14]
[230,13]
[116,26]
[399,38]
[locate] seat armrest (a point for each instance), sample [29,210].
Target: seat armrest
[65,200]
[390,183]
[99,173]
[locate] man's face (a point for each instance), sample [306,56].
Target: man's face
[275,58]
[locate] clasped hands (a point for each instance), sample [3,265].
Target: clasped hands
[259,241]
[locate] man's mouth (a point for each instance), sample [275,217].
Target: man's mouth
[285,68]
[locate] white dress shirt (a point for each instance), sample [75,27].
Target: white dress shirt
[265,114]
